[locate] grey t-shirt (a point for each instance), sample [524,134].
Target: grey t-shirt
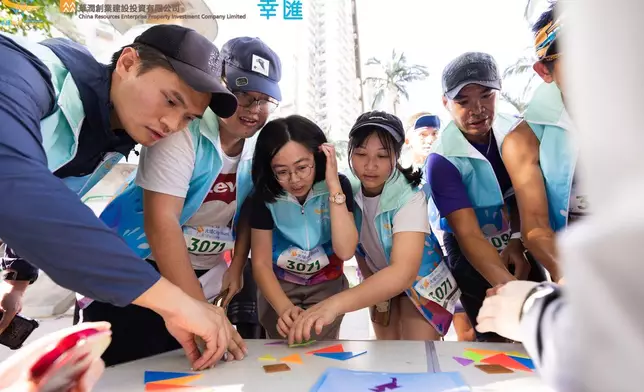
[411,217]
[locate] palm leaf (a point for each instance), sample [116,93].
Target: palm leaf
[395,76]
[378,98]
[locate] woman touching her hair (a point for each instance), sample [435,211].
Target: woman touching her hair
[407,285]
[302,224]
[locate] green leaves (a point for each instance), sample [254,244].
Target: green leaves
[23,16]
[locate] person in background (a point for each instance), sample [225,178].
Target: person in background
[421,135]
[408,287]
[541,156]
[471,193]
[303,226]
[64,116]
[185,208]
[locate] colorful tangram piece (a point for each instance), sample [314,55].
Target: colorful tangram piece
[473,356]
[303,344]
[167,381]
[335,352]
[336,348]
[279,367]
[485,353]
[517,354]
[463,361]
[343,356]
[494,369]
[507,359]
[527,362]
[295,358]
[267,357]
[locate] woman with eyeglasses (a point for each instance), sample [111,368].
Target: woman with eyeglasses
[183,211]
[302,224]
[408,287]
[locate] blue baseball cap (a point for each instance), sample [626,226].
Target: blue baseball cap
[250,65]
[428,121]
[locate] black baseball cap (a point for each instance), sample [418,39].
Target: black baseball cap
[250,65]
[195,59]
[470,68]
[382,120]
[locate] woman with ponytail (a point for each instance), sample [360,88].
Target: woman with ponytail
[408,287]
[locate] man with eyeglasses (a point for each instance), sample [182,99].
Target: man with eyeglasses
[183,211]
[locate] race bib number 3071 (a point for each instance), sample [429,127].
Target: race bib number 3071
[208,240]
[303,262]
[440,287]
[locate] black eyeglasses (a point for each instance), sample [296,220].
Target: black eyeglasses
[301,172]
[246,100]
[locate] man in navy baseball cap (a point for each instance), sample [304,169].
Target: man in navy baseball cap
[195,59]
[66,120]
[195,187]
[250,65]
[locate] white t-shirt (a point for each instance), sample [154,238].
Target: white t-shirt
[167,168]
[411,217]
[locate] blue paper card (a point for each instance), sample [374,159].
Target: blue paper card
[335,379]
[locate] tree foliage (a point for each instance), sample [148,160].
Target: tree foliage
[23,16]
[395,76]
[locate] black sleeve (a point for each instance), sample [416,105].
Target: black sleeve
[260,215]
[348,192]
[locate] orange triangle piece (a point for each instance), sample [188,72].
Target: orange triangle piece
[505,361]
[179,380]
[331,349]
[165,387]
[295,358]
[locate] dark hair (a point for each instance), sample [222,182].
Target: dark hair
[271,139]
[150,58]
[547,17]
[414,177]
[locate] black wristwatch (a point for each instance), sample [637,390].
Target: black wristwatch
[13,275]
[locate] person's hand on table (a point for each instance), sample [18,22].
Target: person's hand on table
[286,320]
[236,347]
[200,319]
[318,316]
[11,293]
[15,371]
[501,310]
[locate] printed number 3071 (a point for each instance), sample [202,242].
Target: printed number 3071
[303,267]
[441,291]
[205,246]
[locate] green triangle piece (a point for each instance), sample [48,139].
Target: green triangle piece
[267,357]
[303,344]
[473,356]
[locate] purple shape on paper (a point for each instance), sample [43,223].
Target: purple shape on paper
[463,361]
[390,386]
[277,343]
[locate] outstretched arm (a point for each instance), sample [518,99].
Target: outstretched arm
[521,158]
